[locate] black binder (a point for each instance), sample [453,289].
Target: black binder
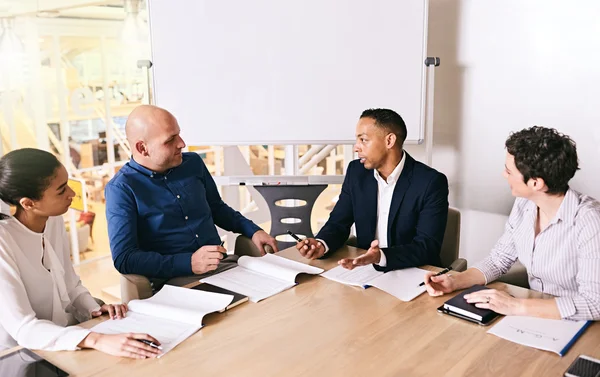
[238,298]
[459,307]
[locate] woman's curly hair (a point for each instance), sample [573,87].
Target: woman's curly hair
[544,153]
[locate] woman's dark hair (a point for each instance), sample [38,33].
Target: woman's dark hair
[544,153]
[26,173]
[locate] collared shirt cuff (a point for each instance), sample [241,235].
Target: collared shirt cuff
[84,306]
[488,269]
[566,306]
[182,264]
[487,280]
[70,340]
[383,260]
[249,228]
[324,245]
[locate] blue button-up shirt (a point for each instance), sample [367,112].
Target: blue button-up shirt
[157,221]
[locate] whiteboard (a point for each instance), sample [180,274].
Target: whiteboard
[287,72]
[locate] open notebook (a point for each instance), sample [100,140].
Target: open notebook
[261,277]
[402,284]
[171,316]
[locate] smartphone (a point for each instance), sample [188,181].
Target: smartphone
[584,366]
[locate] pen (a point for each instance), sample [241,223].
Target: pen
[224,254]
[151,344]
[294,236]
[444,271]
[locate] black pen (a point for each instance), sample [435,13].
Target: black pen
[151,344]
[444,271]
[294,236]
[224,254]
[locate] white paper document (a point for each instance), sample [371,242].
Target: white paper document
[261,277]
[402,284]
[359,276]
[546,334]
[171,316]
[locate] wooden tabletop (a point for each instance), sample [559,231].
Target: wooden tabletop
[323,328]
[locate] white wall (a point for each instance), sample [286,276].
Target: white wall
[507,65]
[4,208]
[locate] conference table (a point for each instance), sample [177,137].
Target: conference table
[324,328]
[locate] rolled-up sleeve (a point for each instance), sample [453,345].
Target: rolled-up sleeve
[585,305]
[504,254]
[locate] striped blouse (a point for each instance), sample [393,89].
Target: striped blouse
[563,260]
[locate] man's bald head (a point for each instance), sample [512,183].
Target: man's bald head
[153,135]
[144,120]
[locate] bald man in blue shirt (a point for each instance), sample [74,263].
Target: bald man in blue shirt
[163,205]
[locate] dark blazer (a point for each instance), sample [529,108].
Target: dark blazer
[417,217]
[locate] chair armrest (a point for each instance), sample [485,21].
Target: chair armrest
[135,287]
[99,301]
[517,275]
[459,265]
[245,246]
[352,241]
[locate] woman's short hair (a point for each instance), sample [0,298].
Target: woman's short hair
[545,153]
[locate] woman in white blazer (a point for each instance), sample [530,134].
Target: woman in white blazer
[42,296]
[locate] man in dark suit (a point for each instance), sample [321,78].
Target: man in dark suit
[399,205]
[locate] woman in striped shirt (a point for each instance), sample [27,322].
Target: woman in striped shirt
[552,229]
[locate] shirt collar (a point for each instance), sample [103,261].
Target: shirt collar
[568,207]
[142,169]
[566,211]
[395,174]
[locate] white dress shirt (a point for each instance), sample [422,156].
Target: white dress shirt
[41,294]
[385,193]
[562,260]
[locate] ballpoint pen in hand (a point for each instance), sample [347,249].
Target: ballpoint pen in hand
[224,254]
[294,236]
[151,344]
[444,271]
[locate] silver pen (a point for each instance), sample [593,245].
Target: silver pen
[150,343]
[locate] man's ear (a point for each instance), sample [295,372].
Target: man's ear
[390,140]
[141,148]
[27,203]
